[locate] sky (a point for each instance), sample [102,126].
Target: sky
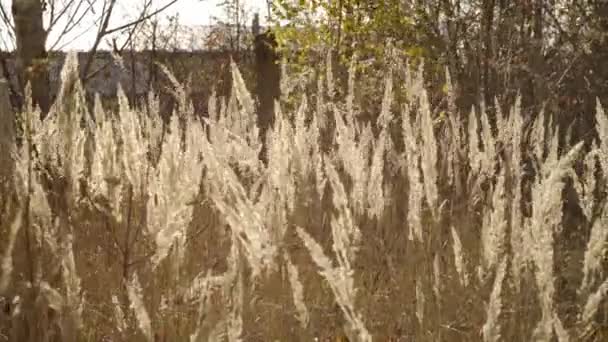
[190,12]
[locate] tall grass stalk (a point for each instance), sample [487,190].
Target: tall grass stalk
[352,215]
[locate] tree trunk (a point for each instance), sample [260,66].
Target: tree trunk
[268,82]
[488,62]
[32,62]
[268,79]
[599,52]
[7,138]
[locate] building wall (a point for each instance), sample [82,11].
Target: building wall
[137,73]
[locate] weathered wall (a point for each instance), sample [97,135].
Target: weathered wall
[138,72]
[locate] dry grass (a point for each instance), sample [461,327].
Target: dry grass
[123,227]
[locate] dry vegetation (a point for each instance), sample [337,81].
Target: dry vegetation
[409,227]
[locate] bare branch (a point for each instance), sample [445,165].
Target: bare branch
[108,8]
[141,19]
[78,36]
[52,13]
[65,10]
[6,19]
[133,25]
[76,16]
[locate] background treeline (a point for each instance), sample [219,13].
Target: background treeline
[551,52]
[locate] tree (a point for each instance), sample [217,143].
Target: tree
[30,37]
[235,19]
[30,34]
[551,52]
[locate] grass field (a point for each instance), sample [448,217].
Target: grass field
[413,226]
